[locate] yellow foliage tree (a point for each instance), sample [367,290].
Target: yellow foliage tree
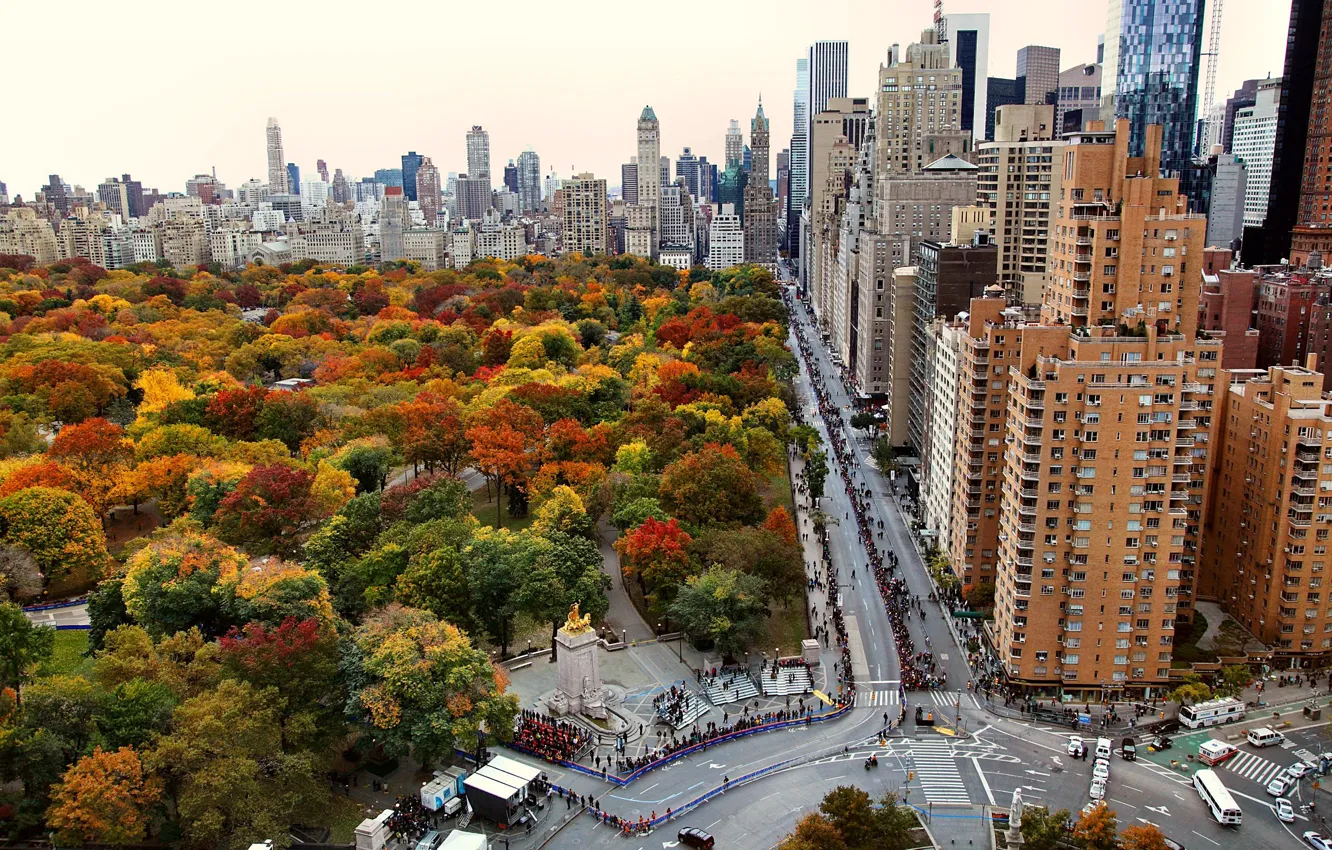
[160,388]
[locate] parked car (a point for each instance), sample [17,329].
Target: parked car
[1161,742]
[1299,770]
[1285,812]
[1278,787]
[1093,806]
[1316,841]
[1076,746]
[1098,789]
[692,836]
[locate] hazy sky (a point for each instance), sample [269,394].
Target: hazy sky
[165,90]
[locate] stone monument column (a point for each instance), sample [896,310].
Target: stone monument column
[578,688]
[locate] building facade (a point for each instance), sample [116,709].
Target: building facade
[277,172]
[585,220]
[1253,142]
[760,219]
[478,153]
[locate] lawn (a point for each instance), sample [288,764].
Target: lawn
[68,659]
[344,816]
[483,508]
[786,628]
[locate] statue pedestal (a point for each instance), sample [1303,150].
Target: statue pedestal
[578,688]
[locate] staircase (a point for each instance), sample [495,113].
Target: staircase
[790,681]
[732,687]
[695,708]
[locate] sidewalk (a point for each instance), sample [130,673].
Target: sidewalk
[622,616]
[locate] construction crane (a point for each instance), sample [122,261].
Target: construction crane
[1213,55]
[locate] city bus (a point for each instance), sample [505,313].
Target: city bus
[1217,798]
[1214,712]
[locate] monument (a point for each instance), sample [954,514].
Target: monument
[578,688]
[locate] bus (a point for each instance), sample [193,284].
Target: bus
[1214,712]
[1217,798]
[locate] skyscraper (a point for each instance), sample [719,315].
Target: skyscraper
[277,176]
[427,190]
[585,212]
[293,180]
[410,162]
[649,177]
[322,168]
[629,181]
[1038,74]
[735,144]
[478,153]
[1253,140]
[760,213]
[389,177]
[827,73]
[1313,228]
[473,197]
[529,180]
[916,125]
[799,158]
[394,221]
[511,177]
[969,40]
[686,169]
[1153,51]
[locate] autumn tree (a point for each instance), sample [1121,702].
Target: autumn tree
[267,507]
[657,554]
[711,486]
[98,454]
[504,443]
[104,798]
[290,418]
[780,523]
[422,686]
[814,832]
[1097,829]
[1143,837]
[59,529]
[182,579]
[1041,828]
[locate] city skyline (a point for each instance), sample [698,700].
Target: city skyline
[226,112]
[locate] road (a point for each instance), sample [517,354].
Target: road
[950,778]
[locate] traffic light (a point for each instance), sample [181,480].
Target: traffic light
[911,774]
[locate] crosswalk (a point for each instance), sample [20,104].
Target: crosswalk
[1254,767]
[936,770]
[872,698]
[948,699]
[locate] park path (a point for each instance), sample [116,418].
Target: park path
[622,616]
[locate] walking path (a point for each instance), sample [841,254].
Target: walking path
[622,616]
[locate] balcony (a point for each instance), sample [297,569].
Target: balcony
[1308,457]
[1187,424]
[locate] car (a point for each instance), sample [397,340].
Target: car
[1299,770]
[1101,770]
[692,836]
[1076,746]
[1171,845]
[1098,791]
[1317,841]
[1278,787]
[1285,812]
[1093,806]
[1161,742]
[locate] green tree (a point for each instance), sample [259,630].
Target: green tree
[63,534]
[1042,829]
[180,580]
[1234,679]
[367,461]
[850,810]
[863,420]
[894,823]
[435,581]
[632,512]
[422,686]
[816,473]
[567,570]
[228,775]
[724,605]
[496,562]
[136,713]
[1191,689]
[23,646]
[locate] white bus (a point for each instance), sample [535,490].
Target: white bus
[1214,712]
[1217,798]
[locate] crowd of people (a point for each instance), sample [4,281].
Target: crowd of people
[552,740]
[721,677]
[920,670]
[711,731]
[674,705]
[410,820]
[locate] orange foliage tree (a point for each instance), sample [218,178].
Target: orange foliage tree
[104,798]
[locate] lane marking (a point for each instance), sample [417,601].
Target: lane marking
[1200,835]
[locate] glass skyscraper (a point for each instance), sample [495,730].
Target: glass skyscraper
[411,161]
[1157,57]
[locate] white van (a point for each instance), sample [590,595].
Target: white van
[1264,736]
[1103,746]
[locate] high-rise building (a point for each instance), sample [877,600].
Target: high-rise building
[917,124]
[1018,183]
[831,161]
[112,193]
[395,219]
[649,178]
[1253,141]
[1226,207]
[342,191]
[1307,34]
[665,170]
[1038,74]
[478,153]
[799,158]
[1153,52]
[293,180]
[735,144]
[1313,229]
[1245,95]
[1079,99]
[473,197]
[584,214]
[511,177]
[529,180]
[410,162]
[322,168]
[969,41]
[999,91]
[686,169]
[1259,550]
[629,181]
[277,176]
[390,177]
[427,190]
[827,70]
[783,183]
[760,218]
[726,240]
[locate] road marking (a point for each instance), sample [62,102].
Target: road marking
[989,795]
[1131,788]
[1200,835]
[1122,803]
[714,823]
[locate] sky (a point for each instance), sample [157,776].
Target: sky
[166,90]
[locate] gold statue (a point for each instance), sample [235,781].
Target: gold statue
[576,625]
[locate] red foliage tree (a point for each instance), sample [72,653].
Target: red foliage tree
[496,346]
[268,505]
[235,413]
[656,553]
[780,523]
